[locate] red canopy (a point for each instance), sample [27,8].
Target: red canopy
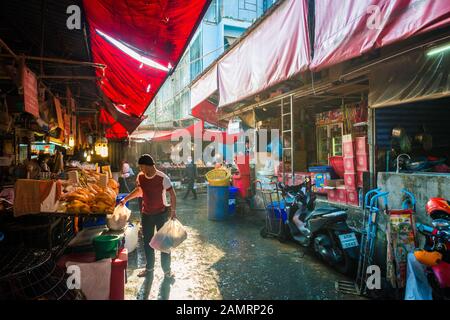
[155,31]
[348,29]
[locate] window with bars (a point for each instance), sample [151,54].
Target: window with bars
[249,5]
[195,56]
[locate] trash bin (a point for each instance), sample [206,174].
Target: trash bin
[217,202]
[232,191]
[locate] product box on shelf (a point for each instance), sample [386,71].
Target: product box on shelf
[362,162]
[335,183]
[348,146]
[341,193]
[352,197]
[320,180]
[361,145]
[332,195]
[349,164]
[350,181]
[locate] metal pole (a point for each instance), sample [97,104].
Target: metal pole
[5,46]
[55,60]
[292,138]
[282,140]
[69,77]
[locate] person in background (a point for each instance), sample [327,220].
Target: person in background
[152,185]
[127,171]
[43,162]
[190,174]
[126,179]
[58,167]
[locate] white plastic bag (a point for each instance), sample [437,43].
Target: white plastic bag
[119,219]
[131,237]
[417,286]
[170,236]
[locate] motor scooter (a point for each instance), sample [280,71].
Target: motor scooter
[436,256]
[324,229]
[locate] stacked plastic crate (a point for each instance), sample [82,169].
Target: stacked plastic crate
[362,159]
[351,193]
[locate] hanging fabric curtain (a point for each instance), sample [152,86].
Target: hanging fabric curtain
[274,51]
[410,78]
[348,29]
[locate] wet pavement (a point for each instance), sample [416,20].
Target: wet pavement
[230,260]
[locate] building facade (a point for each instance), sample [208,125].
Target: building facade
[224,22]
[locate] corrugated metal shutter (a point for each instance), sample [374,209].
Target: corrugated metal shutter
[435,115]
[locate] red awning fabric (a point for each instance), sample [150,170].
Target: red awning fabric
[114,130]
[207,111]
[158,30]
[348,29]
[201,90]
[149,134]
[274,51]
[204,87]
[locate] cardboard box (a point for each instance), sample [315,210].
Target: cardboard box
[349,164]
[347,149]
[335,183]
[332,195]
[361,145]
[341,195]
[352,198]
[350,181]
[362,162]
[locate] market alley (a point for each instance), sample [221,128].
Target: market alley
[230,260]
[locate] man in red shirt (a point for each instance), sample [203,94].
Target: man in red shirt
[151,185]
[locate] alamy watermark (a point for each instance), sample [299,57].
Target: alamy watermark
[254,143]
[73,22]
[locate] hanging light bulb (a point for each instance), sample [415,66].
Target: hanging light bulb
[71,142]
[88,158]
[85,154]
[92,151]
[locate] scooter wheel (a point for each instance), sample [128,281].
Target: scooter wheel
[264,232]
[346,266]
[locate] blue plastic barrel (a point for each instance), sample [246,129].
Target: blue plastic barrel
[217,203]
[232,191]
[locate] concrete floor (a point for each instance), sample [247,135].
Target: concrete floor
[230,260]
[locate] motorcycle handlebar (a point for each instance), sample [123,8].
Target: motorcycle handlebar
[431,231]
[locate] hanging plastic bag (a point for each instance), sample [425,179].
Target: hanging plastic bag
[170,236]
[131,237]
[119,219]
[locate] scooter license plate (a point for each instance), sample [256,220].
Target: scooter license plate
[348,240]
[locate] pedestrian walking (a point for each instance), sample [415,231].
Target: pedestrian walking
[190,175]
[152,185]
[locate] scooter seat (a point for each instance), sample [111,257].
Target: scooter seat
[324,211]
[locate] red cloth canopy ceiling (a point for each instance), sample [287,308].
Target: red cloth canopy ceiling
[348,29]
[158,30]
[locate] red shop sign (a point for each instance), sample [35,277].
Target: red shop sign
[30,92]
